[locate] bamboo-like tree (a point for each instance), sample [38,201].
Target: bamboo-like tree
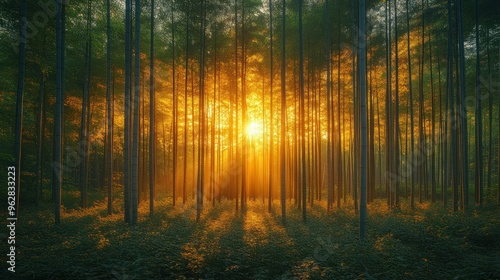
[135,121]
[329,161]
[109,110]
[186,67]
[412,124]
[84,129]
[57,158]
[175,104]
[478,119]
[363,112]
[395,201]
[283,115]
[271,123]
[463,109]
[201,116]
[453,118]
[19,106]
[127,114]
[152,114]
[302,115]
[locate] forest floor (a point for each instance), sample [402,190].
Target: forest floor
[428,243]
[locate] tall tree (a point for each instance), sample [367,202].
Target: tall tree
[421,121]
[19,105]
[40,128]
[152,114]
[463,108]
[271,124]
[84,129]
[128,110]
[302,114]
[396,113]
[135,129]
[109,109]
[363,107]
[283,114]
[388,103]
[201,116]
[453,117]
[243,77]
[479,120]
[174,110]
[186,67]
[57,158]
[329,161]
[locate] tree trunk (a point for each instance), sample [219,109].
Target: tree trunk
[329,161]
[40,126]
[135,128]
[396,114]
[363,107]
[271,124]
[412,125]
[302,115]
[175,117]
[201,117]
[479,121]
[463,109]
[57,159]
[152,115]
[19,109]
[109,109]
[128,110]
[184,194]
[283,115]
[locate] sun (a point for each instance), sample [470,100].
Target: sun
[254,129]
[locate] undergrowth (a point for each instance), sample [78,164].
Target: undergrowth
[429,242]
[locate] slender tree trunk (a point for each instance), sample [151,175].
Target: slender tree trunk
[412,124]
[128,110]
[453,118]
[152,115]
[57,159]
[302,114]
[19,110]
[84,142]
[396,118]
[340,154]
[479,120]
[463,109]
[40,127]
[109,109]
[175,117]
[236,183]
[283,115]
[421,150]
[329,162]
[135,129]
[271,123]
[244,150]
[433,123]
[186,67]
[490,110]
[363,107]
[388,105]
[355,82]
[201,117]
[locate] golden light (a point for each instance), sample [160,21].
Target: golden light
[254,129]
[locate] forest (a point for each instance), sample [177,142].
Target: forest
[250,139]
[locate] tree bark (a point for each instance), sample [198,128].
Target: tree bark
[283,115]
